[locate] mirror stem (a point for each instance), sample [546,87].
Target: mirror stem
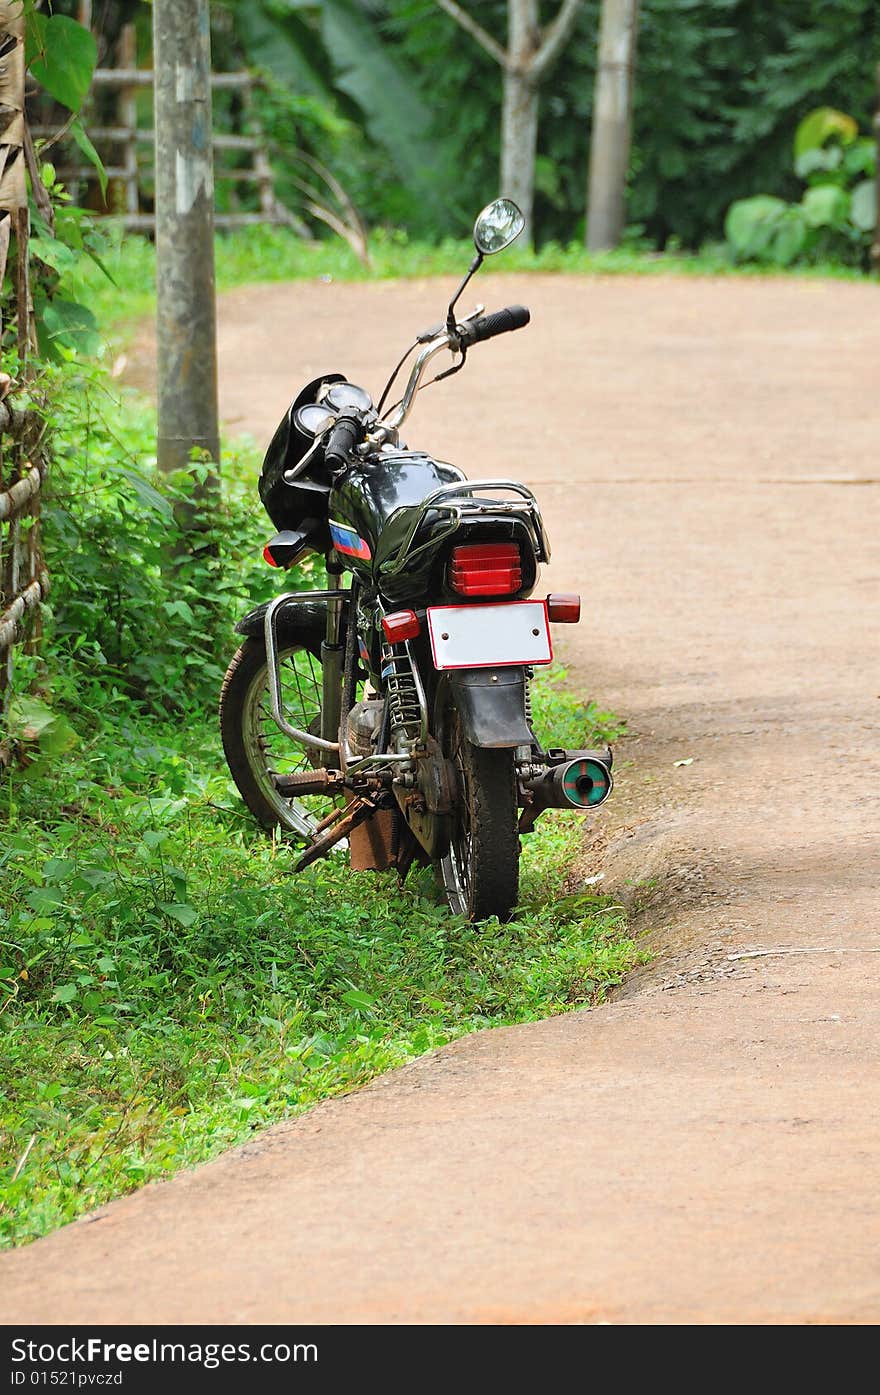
[450,313]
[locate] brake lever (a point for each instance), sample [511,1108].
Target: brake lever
[428,334]
[293,471]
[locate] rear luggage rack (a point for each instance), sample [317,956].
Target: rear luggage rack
[458,501]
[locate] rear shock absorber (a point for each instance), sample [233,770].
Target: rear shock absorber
[404,704]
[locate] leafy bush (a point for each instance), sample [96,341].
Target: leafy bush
[837,213]
[149,571]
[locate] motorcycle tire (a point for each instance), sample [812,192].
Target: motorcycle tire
[256,750]
[480,873]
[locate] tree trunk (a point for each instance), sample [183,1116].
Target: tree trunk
[612,118]
[519,120]
[187,348]
[519,144]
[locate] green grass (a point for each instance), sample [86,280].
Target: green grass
[266,253]
[166,986]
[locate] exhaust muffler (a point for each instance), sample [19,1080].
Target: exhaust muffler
[580,780]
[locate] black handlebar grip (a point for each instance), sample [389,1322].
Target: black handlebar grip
[487,326]
[346,434]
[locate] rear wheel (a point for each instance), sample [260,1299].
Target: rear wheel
[256,751]
[480,873]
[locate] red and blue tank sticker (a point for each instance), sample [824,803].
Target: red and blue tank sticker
[347,541]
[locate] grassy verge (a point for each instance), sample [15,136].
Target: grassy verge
[167,987]
[262,254]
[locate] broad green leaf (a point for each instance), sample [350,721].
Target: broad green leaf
[819,125]
[146,493]
[30,714]
[789,238]
[286,47]
[861,156]
[62,55]
[51,252]
[184,915]
[58,737]
[356,999]
[825,206]
[817,159]
[73,325]
[863,206]
[751,223]
[78,131]
[395,111]
[66,993]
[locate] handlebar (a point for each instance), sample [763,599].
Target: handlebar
[348,432]
[488,326]
[471,331]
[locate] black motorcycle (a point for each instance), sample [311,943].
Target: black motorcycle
[395,713]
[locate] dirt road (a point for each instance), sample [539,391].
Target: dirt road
[705,1147]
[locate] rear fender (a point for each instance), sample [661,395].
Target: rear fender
[491,703]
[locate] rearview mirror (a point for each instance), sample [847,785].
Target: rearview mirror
[499,224]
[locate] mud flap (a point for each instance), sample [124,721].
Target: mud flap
[491,703]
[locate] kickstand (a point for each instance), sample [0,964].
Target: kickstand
[335,829]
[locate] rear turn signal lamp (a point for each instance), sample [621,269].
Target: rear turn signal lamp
[564,607]
[486,569]
[401,625]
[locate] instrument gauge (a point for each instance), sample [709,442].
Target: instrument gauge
[344,397]
[313,419]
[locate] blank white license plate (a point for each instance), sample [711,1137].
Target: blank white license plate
[489,636]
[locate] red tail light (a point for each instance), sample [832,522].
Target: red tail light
[486,569]
[267,555]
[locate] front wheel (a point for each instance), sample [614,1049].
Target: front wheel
[255,749]
[480,873]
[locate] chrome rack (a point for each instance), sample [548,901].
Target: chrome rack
[458,499]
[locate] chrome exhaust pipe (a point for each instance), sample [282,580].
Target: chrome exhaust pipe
[582,780]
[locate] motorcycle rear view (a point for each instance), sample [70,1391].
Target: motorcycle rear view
[393,713]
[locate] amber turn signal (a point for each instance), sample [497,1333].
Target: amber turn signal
[401,625]
[564,607]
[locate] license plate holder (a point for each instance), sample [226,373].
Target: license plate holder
[489,636]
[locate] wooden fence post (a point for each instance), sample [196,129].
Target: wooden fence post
[127,117]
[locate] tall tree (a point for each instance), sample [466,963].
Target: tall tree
[186,311]
[612,123]
[525,62]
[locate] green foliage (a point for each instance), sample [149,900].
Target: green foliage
[61,54]
[139,600]
[165,986]
[720,87]
[837,213]
[336,92]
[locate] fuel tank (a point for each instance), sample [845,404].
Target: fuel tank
[372,503]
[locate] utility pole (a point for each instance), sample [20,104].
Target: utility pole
[612,119]
[187,315]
